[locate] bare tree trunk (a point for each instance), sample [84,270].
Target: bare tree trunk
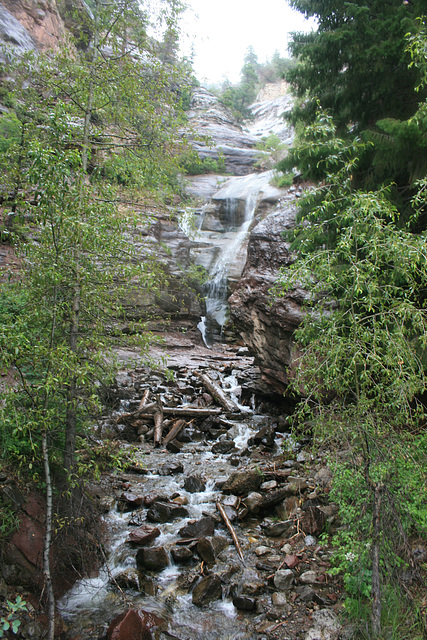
[158,423]
[47,543]
[218,393]
[376,577]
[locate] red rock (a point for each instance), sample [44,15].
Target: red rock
[133,625]
[143,535]
[29,540]
[292,561]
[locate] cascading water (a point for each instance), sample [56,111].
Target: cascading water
[217,289]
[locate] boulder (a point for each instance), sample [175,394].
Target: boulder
[143,535]
[166,512]
[134,625]
[283,579]
[245,603]
[181,555]
[199,528]
[207,590]
[242,482]
[152,558]
[194,484]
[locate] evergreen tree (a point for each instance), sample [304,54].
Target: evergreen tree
[355,65]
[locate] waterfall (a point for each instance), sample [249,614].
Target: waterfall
[217,289]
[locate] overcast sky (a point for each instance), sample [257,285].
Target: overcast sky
[222,31]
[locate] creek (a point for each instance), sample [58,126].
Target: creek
[170,552]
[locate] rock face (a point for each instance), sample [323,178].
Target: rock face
[42,23]
[210,118]
[267,324]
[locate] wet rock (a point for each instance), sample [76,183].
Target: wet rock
[264,436]
[207,590]
[174,446]
[198,529]
[152,558]
[223,446]
[166,512]
[129,501]
[206,551]
[245,603]
[242,482]
[277,529]
[134,625]
[171,468]
[283,579]
[128,579]
[182,555]
[143,535]
[194,484]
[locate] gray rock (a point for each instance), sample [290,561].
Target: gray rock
[308,577]
[283,579]
[279,528]
[242,482]
[253,501]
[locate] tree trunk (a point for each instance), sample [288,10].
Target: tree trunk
[47,543]
[376,577]
[218,393]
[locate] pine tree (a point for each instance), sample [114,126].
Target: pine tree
[355,65]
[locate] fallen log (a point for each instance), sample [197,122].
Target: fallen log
[231,529]
[218,393]
[139,413]
[176,428]
[158,423]
[144,399]
[184,411]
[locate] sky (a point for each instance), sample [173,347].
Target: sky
[222,30]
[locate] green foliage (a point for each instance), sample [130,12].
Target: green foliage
[270,150]
[11,621]
[355,63]
[10,131]
[82,114]
[361,371]
[193,165]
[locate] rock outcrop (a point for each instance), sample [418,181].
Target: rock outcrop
[266,323]
[210,118]
[42,24]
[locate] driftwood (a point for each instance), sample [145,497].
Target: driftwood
[192,412]
[176,428]
[144,399]
[158,423]
[231,529]
[141,412]
[218,393]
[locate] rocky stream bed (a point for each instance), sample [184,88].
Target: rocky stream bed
[214,532]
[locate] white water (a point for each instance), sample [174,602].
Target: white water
[217,290]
